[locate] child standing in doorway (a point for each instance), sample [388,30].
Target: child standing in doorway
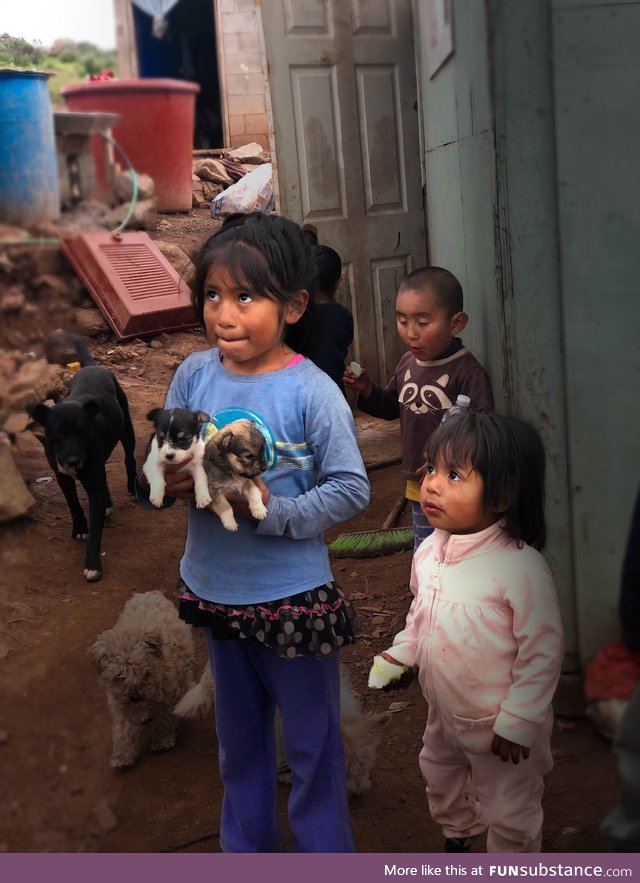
[274,618]
[436,368]
[484,630]
[333,329]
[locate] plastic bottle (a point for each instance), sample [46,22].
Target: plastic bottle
[461,407]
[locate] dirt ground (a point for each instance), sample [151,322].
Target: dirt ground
[59,793]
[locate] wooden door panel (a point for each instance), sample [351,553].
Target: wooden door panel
[372,17]
[321,171]
[343,93]
[380,138]
[305,17]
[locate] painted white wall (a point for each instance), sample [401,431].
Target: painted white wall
[597,92]
[491,219]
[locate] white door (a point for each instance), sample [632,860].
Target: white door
[343,91]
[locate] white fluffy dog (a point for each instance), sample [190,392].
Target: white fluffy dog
[145,662]
[361,731]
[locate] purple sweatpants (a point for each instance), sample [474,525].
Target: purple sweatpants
[250,680]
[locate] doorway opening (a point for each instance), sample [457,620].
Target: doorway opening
[187,51]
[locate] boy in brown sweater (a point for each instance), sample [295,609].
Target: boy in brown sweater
[436,368]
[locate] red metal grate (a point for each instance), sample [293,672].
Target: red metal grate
[134,286]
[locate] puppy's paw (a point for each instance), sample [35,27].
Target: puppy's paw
[259,511]
[203,502]
[164,743]
[92,576]
[229,522]
[122,761]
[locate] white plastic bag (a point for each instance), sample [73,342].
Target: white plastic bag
[252,193]
[157,9]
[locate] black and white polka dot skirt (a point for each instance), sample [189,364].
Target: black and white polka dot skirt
[315,622]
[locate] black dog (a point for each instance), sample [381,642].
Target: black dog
[79,435]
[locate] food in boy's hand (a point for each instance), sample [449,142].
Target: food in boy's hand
[356,369]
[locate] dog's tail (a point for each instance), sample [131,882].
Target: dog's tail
[63,347]
[199,699]
[84,356]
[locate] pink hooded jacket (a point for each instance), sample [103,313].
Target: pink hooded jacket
[484,629]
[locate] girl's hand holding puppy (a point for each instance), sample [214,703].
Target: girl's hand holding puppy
[240,503]
[179,484]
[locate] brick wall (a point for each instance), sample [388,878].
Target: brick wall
[244,71]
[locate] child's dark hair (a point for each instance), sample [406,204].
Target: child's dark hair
[444,286]
[509,456]
[329,267]
[311,234]
[269,255]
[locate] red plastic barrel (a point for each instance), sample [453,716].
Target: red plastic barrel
[155,131]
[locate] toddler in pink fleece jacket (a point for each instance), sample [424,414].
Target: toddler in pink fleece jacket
[484,631]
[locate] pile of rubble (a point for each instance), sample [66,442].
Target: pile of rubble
[39,292]
[24,380]
[213,171]
[213,174]
[144,215]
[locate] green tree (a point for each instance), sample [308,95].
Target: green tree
[67,61]
[16,52]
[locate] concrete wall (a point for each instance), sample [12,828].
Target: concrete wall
[243,68]
[457,134]
[597,94]
[527,266]
[491,219]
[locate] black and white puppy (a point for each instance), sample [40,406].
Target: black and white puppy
[79,435]
[234,456]
[177,434]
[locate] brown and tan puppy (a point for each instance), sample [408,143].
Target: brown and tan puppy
[234,456]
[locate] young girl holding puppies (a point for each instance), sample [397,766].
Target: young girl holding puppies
[273,616]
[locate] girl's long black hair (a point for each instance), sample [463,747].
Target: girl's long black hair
[509,456]
[268,254]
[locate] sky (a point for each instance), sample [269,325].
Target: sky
[48,20]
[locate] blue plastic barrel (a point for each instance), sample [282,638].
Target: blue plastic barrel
[28,167]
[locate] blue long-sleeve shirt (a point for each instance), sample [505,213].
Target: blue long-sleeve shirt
[319,480]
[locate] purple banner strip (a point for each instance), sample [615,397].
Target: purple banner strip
[369,867]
